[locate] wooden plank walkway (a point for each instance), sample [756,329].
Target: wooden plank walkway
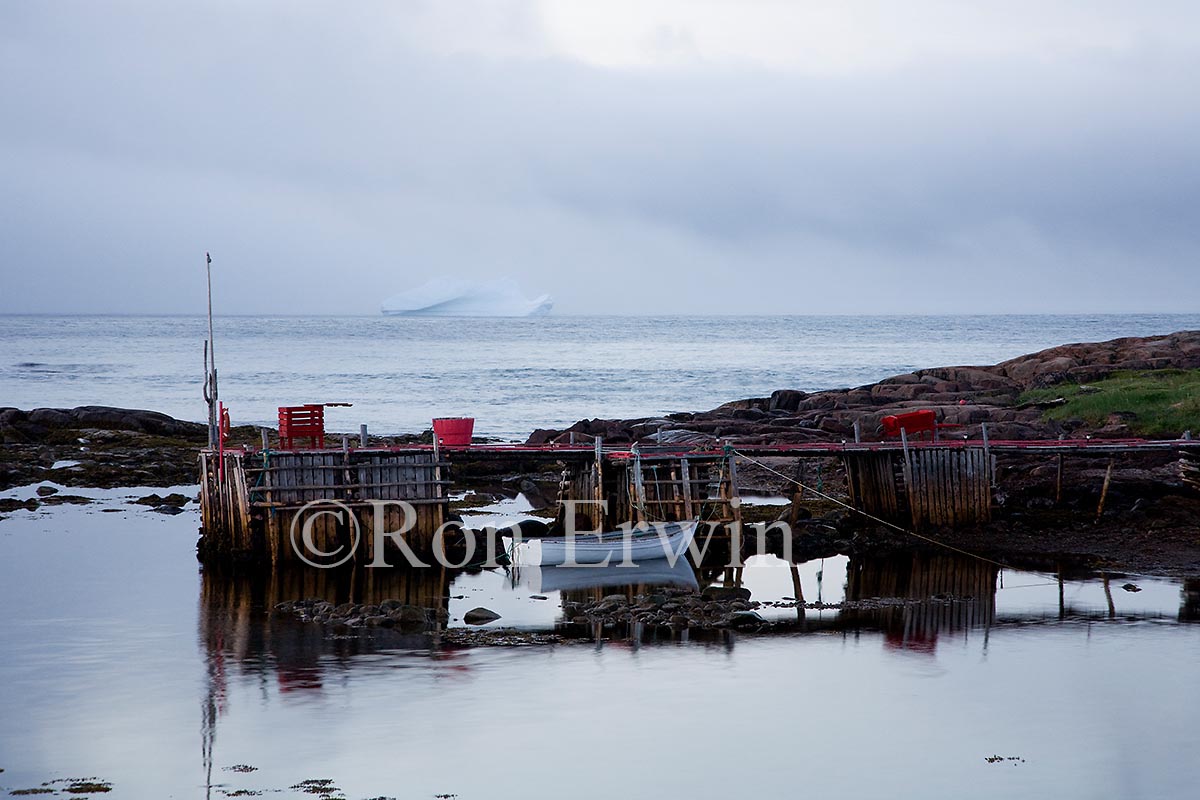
[809,449]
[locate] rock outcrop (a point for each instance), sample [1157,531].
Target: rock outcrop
[41,424]
[97,446]
[965,396]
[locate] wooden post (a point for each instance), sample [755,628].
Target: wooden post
[797,588]
[638,487]
[362,436]
[598,489]
[265,441]
[210,377]
[857,432]
[908,481]
[735,498]
[438,492]
[1104,489]
[1058,481]
[686,479]
[987,457]
[1062,604]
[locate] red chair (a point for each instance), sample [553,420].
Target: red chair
[302,422]
[912,423]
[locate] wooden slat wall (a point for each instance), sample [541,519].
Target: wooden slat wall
[926,487]
[948,487]
[871,479]
[251,513]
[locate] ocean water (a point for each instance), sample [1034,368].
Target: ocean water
[512,375]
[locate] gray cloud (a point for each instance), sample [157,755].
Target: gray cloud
[345,148]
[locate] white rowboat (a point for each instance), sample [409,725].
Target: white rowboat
[648,541]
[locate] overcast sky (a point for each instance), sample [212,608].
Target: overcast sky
[623,156]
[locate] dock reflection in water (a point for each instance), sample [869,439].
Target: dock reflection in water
[942,594]
[115,648]
[912,598]
[915,600]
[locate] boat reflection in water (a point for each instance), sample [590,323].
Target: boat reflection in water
[645,574]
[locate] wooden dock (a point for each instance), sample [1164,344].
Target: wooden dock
[253,500]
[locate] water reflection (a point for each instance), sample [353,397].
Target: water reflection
[114,648]
[915,600]
[948,593]
[1189,607]
[242,640]
[590,580]
[238,632]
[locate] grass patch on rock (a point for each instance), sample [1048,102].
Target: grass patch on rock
[1158,403]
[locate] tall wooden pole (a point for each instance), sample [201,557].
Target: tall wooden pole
[1104,490]
[213,421]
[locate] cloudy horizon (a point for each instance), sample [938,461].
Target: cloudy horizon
[672,157]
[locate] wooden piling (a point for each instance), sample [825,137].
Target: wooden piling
[1104,490]
[686,486]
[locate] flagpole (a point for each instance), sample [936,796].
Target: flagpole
[213,422]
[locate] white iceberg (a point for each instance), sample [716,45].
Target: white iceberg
[447,297]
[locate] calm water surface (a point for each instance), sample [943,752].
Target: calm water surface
[513,375]
[120,660]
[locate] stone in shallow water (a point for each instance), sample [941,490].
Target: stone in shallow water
[480,616]
[746,619]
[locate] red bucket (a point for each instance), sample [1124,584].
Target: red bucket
[454,431]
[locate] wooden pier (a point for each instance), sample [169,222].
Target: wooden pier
[648,485]
[253,500]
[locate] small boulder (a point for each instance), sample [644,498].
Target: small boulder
[746,619]
[411,615]
[480,616]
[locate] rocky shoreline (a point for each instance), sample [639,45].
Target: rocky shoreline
[966,396]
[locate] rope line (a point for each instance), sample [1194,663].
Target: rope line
[872,517]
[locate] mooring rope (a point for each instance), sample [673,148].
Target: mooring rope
[874,518]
